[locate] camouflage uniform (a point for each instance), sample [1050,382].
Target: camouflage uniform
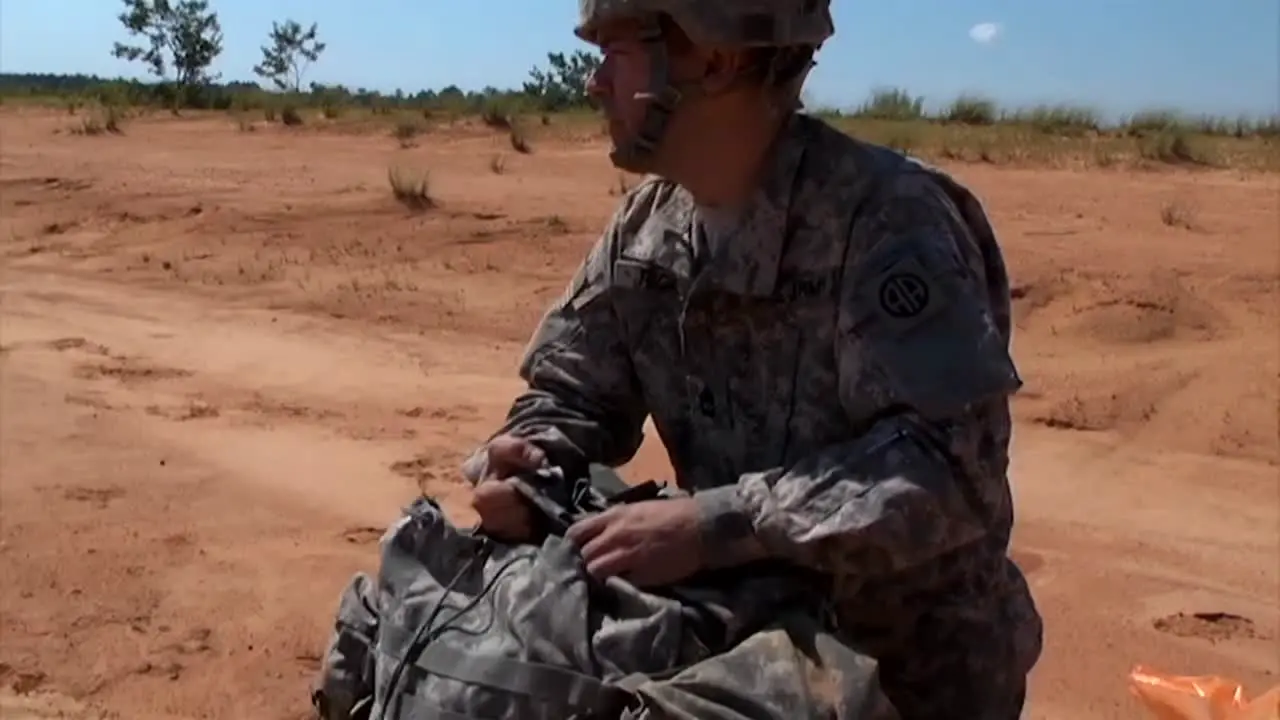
[831,378]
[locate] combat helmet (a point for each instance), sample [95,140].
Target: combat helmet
[723,23]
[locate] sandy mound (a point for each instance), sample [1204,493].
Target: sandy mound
[1118,309]
[1159,356]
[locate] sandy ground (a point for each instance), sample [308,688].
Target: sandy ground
[229,358]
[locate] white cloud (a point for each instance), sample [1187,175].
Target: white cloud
[985,33]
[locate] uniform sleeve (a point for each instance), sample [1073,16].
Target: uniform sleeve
[582,403]
[920,354]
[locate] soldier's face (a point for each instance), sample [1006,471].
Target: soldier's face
[623,74]
[623,83]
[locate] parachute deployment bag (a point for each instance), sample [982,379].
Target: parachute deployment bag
[457,625]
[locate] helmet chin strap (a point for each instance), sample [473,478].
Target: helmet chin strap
[637,154]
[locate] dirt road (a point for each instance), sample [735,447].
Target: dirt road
[207,416]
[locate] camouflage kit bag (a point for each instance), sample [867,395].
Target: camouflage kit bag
[457,625]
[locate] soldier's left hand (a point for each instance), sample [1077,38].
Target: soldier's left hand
[649,543]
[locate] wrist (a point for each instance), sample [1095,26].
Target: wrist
[726,533]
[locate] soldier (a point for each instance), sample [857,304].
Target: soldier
[819,329]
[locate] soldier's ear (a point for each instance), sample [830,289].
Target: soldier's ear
[722,69]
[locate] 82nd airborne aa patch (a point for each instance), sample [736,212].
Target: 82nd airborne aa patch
[908,293]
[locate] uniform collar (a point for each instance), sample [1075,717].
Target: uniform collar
[747,262]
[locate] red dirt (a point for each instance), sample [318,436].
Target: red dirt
[228,357]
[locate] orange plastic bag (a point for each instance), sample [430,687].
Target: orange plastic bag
[1204,697]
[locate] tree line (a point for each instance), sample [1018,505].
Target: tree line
[178,41]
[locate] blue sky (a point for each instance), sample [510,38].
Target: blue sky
[1203,56]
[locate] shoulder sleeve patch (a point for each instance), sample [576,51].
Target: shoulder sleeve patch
[920,331]
[907,293]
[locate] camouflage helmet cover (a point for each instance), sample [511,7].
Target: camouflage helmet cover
[726,23]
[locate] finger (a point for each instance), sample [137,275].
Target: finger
[497,499]
[601,545]
[584,531]
[532,455]
[612,564]
[488,497]
[506,528]
[499,512]
[485,492]
[502,496]
[496,490]
[506,519]
[509,455]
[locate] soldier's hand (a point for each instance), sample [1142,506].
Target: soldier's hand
[651,543]
[504,513]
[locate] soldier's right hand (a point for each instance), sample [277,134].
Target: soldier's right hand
[504,513]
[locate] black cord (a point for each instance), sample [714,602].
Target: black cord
[427,633]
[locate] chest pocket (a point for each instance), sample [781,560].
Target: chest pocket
[752,348]
[732,381]
[649,298]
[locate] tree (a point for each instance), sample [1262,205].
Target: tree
[290,53]
[564,85]
[184,35]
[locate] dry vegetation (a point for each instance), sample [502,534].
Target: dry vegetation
[966,130]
